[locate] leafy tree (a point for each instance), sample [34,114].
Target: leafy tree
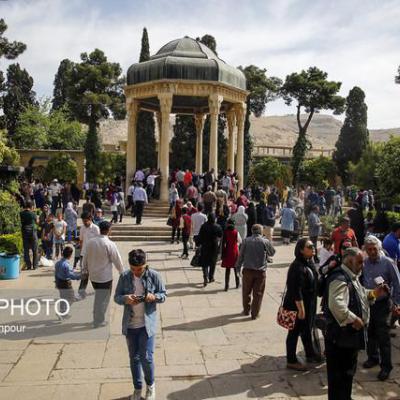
[19,95]
[268,171]
[147,156]
[183,143]
[209,41]
[32,130]
[111,165]
[10,51]
[61,165]
[61,83]
[262,90]
[397,77]
[40,129]
[363,174]
[92,95]
[311,90]
[318,172]
[353,138]
[8,156]
[388,170]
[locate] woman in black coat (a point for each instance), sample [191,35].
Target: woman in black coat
[301,296]
[252,218]
[209,237]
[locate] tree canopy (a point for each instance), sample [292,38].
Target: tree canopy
[38,128]
[95,91]
[318,172]
[354,135]
[18,96]
[63,167]
[268,171]
[61,83]
[312,92]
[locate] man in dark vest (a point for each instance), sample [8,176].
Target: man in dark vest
[347,315]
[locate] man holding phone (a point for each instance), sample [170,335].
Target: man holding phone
[379,270]
[139,290]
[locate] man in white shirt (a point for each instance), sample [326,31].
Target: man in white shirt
[150,181]
[139,175]
[129,193]
[86,232]
[198,220]
[140,199]
[100,256]
[55,190]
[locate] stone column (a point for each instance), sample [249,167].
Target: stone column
[231,140]
[133,111]
[240,115]
[199,122]
[158,119]
[214,104]
[165,108]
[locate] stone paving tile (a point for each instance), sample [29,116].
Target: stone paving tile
[89,374]
[10,356]
[271,386]
[13,344]
[81,355]
[36,363]
[216,367]
[4,370]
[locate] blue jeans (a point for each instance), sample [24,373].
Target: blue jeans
[141,350]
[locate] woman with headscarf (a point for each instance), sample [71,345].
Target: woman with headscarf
[288,216]
[173,196]
[177,223]
[240,220]
[230,252]
[222,212]
[301,296]
[209,237]
[251,217]
[71,218]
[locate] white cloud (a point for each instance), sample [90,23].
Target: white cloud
[355,41]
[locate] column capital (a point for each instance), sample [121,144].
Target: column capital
[231,118]
[165,99]
[132,106]
[199,122]
[214,103]
[240,112]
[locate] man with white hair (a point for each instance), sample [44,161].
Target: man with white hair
[346,311]
[379,269]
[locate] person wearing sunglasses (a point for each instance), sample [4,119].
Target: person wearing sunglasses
[301,296]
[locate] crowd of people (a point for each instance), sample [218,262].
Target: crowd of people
[354,271]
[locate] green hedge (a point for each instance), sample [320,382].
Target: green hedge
[11,243]
[393,217]
[9,214]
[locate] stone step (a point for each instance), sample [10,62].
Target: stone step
[120,238]
[140,228]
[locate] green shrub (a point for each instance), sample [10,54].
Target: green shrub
[393,217]
[9,214]
[62,167]
[11,244]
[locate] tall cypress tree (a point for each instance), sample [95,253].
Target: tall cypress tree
[61,82]
[354,135]
[183,143]
[146,155]
[19,95]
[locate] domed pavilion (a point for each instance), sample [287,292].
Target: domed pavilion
[186,77]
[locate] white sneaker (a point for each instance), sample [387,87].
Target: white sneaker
[151,392]
[137,395]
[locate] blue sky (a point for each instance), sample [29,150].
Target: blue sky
[356,42]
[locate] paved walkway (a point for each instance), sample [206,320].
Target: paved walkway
[204,350]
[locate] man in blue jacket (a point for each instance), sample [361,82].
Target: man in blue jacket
[139,289]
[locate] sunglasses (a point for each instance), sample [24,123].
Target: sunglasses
[310,246]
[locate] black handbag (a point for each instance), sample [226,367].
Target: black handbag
[195,262]
[169,221]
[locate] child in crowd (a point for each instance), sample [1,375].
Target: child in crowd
[98,216]
[64,274]
[326,251]
[59,231]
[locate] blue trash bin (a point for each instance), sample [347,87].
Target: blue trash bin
[9,266]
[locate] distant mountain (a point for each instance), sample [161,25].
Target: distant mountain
[269,130]
[323,131]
